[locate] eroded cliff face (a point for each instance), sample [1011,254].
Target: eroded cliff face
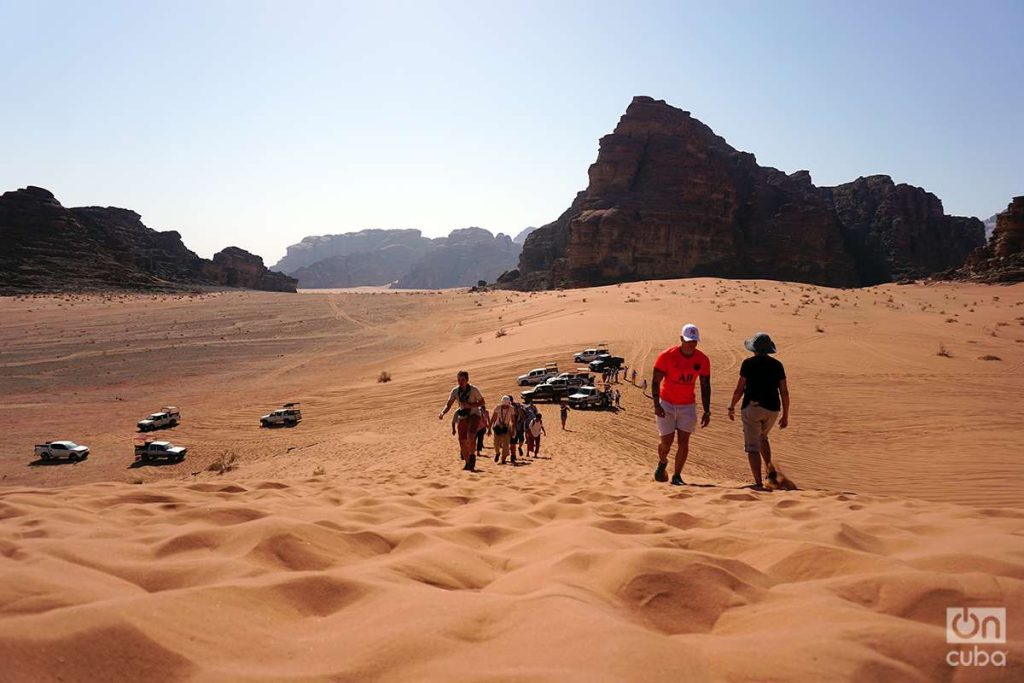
[668,198]
[48,247]
[1002,259]
[235,267]
[900,231]
[403,258]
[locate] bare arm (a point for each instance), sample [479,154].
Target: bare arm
[656,392]
[737,394]
[447,407]
[784,393]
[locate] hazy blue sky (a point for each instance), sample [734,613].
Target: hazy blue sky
[258,123]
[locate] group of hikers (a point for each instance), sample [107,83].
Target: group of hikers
[511,423]
[761,390]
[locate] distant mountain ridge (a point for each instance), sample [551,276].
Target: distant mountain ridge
[47,247]
[403,257]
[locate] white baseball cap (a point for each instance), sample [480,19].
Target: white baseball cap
[690,332]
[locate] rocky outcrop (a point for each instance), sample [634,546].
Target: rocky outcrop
[403,258]
[897,232]
[47,247]
[234,267]
[1002,259]
[669,198]
[523,234]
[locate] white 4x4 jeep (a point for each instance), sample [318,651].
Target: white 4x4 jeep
[288,416]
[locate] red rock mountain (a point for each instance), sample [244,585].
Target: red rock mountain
[1002,259]
[47,247]
[669,198]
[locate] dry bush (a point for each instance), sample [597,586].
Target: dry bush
[384,376]
[819,328]
[319,471]
[479,340]
[943,351]
[989,357]
[632,300]
[225,463]
[500,333]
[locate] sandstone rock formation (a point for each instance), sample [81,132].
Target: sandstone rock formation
[1002,259]
[379,267]
[669,198]
[401,257]
[234,267]
[320,247]
[48,247]
[463,258]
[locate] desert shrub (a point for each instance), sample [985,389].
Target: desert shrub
[500,333]
[384,376]
[989,357]
[943,351]
[224,463]
[319,471]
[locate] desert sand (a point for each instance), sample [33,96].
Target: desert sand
[353,546]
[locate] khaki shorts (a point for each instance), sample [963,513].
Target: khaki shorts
[677,417]
[757,422]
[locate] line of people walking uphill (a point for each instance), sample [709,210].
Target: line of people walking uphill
[512,424]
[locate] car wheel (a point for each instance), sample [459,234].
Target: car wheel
[45,456]
[72,457]
[263,423]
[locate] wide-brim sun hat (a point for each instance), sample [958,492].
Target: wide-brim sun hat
[760,343]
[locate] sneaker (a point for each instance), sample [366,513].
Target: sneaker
[496,456]
[677,480]
[660,474]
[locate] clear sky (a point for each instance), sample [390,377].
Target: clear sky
[257,123]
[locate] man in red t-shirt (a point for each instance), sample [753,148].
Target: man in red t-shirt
[675,376]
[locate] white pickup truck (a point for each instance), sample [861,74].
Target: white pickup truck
[587,355]
[538,375]
[62,449]
[169,416]
[156,450]
[288,416]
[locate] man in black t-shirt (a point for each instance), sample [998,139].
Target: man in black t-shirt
[762,385]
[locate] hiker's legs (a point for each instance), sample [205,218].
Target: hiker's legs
[755,466]
[682,450]
[766,451]
[664,446]
[536,447]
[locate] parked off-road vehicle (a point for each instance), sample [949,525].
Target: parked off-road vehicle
[169,416]
[538,375]
[545,392]
[287,416]
[159,450]
[587,397]
[69,450]
[606,362]
[587,355]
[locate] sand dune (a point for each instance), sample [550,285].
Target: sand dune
[352,547]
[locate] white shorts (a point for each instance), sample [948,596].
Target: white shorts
[681,417]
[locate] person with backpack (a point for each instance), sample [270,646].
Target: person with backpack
[471,401]
[564,410]
[503,425]
[520,431]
